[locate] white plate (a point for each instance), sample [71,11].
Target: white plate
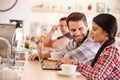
[69,75]
[52,59]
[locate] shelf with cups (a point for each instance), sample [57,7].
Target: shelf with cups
[46,10]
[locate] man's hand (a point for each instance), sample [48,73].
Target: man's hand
[32,57]
[64,61]
[54,28]
[43,56]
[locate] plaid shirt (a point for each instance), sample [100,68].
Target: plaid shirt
[85,52]
[107,66]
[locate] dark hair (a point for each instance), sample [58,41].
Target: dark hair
[63,18]
[107,22]
[76,16]
[18,25]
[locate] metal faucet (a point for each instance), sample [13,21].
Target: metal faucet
[8,49]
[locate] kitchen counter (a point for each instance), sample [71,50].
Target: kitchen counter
[33,71]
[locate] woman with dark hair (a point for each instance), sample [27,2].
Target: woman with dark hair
[106,64]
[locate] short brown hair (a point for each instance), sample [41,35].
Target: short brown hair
[76,16]
[63,18]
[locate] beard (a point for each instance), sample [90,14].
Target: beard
[80,38]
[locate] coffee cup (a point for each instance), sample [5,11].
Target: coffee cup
[68,68]
[56,55]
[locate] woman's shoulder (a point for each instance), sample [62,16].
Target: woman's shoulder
[113,49]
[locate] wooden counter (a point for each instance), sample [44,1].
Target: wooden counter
[33,71]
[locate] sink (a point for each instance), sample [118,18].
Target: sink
[8,52]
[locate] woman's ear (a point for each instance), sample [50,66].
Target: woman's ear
[106,34]
[87,25]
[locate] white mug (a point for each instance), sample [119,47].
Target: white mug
[68,68]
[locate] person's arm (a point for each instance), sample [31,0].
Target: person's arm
[64,61]
[58,43]
[103,67]
[48,40]
[66,49]
[43,56]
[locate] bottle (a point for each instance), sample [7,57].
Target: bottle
[19,35]
[27,44]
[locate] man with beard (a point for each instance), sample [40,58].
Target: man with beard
[81,47]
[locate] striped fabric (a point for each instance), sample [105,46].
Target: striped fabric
[85,52]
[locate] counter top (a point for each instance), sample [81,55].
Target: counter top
[33,71]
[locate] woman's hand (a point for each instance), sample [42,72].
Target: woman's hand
[64,61]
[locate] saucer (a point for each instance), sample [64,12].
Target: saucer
[53,59]
[69,75]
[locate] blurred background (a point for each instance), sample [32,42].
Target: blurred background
[39,15]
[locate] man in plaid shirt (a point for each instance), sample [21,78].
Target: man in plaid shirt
[84,52]
[80,48]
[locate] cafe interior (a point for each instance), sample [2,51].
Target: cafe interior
[36,18]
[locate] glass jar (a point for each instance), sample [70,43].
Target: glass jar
[27,44]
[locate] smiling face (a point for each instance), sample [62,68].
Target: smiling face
[98,34]
[78,30]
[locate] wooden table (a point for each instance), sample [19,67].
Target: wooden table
[33,71]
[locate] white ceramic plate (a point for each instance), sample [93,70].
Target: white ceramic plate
[69,75]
